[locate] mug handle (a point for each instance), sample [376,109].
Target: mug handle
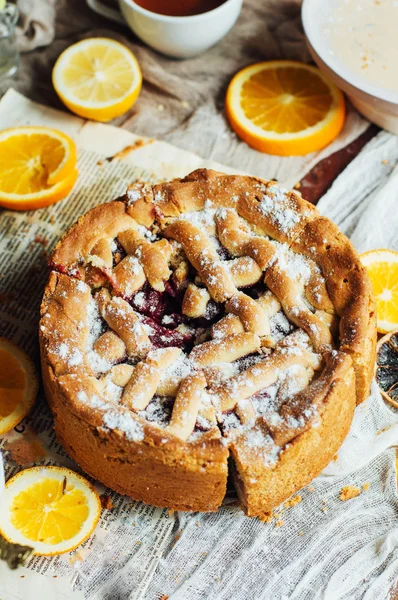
[106,11]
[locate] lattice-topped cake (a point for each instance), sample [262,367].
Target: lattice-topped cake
[208,318]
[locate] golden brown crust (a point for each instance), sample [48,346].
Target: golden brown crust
[158,473]
[350,291]
[314,278]
[263,486]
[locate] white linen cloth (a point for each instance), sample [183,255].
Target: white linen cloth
[326,549]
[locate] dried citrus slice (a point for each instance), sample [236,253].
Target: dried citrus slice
[18,385]
[97,78]
[387,367]
[382,266]
[51,508]
[38,167]
[284,107]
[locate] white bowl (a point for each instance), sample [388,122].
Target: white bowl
[377,104]
[181,37]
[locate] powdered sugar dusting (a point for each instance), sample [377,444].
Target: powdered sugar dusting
[278,209]
[124,422]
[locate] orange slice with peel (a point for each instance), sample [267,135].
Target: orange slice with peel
[38,167]
[18,385]
[52,509]
[97,78]
[382,266]
[284,107]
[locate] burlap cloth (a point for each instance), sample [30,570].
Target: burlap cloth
[181,101]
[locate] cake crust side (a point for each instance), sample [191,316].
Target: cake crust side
[262,487]
[187,479]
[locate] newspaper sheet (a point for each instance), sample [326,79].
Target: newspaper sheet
[132,539]
[26,239]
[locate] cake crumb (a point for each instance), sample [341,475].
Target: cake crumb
[171,511]
[106,502]
[297,186]
[310,488]
[325,509]
[366,486]
[301,533]
[279,523]
[385,162]
[267,518]
[178,535]
[348,492]
[40,239]
[164,597]
[386,428]
[293,501]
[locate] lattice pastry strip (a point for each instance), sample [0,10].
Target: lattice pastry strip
[203,256]
[289,294]
[186,406]
[236,236]
[153,256]
[239,240]
[266,307]
[120,317]
[146,377]
[264,374]
[225,350]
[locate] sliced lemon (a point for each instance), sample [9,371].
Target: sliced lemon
[97,78]
[18,385]
[382,266]
[38,167]
[51,508]
[284,107]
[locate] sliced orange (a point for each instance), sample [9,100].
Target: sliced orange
[51,508]
[284,107]
[97,78]
[382,266]
[18,385]
[38,167]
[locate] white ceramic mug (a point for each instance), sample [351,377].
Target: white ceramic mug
[181,37]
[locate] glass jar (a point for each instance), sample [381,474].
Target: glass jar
[9,55]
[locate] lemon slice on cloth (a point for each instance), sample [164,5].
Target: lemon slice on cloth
[284,107]
[18,385]
[52,509]
[97,78]
[382,266]
[38,167]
